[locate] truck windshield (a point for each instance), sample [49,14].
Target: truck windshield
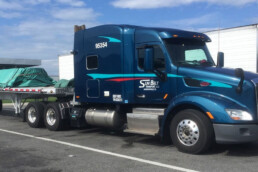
[185,52]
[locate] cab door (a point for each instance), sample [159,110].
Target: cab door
[148,87]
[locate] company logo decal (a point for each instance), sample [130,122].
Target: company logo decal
[149,85]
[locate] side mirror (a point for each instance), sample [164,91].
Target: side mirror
[220,59]
[148,59]
[240,74]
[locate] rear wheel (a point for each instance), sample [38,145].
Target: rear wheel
[34,114]
[52,117]
[191,131]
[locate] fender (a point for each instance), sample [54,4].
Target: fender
[206,102]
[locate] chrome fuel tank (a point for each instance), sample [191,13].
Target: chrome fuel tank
[103,117]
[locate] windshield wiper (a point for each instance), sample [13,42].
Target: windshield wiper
[185,62]
[207,63]
[195,63]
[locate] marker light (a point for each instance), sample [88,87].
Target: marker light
[210,115]
[204,84]
[236,114]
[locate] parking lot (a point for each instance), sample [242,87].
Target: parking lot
[27,149]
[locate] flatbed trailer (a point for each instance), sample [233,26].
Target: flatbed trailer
[18,96]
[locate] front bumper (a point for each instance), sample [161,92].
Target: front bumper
[231,133]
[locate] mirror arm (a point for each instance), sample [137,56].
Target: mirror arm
[240,73]
[160,74]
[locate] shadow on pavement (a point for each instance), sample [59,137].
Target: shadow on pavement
[245,149]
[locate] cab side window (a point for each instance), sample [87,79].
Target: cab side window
[159,58]
[92,62]
[141,55]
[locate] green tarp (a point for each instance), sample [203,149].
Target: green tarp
[25,77]
[63,83]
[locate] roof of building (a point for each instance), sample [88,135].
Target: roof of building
[236,27]
[13,63]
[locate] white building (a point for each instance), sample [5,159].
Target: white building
[239,44]
[66,66]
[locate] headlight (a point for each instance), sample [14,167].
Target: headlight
[236,114]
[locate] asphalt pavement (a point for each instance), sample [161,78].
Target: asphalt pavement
[94,149]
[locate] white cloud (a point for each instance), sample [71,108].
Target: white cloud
[148,4]
[35,2]
[9,15]
[254,20]
[75,14]
[50,66]
[42,33]
[193,21]
[199,24]
[75,3]
[7,5]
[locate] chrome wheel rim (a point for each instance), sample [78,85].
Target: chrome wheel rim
[51,116]
[188,132]
[32,115]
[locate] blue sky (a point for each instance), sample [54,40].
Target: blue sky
[43,29]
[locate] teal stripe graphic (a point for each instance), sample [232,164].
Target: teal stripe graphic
[110,39]
[105,76]
[174,76]
[217,84]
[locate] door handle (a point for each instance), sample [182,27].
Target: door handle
[142,96]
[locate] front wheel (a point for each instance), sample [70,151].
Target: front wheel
[191,131]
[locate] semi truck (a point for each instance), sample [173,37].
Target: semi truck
[153,81]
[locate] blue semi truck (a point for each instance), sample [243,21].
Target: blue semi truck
[156,81]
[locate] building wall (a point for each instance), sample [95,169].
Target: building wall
[239,46]
[66,66]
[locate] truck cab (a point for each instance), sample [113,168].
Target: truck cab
[159,81]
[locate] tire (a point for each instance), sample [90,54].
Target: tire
[1,105]
[52,117]
[191,131]
[34,114]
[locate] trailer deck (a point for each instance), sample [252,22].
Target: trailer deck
[16,95]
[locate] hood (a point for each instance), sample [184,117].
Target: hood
[216,70]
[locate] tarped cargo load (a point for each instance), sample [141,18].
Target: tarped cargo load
[25,77]
[63,83]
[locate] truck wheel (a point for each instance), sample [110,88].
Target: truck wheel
[191,131]
[52,117]
[1,105]
[34,114]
